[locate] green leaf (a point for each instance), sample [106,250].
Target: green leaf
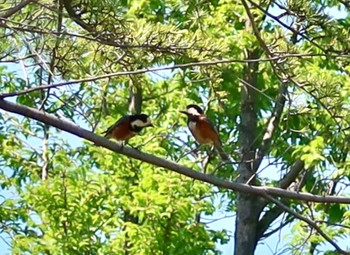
[336,213]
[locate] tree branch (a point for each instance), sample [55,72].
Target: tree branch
[167,164]
[186,65]
[33,29]
[265,222]
[276,211]
[76,18]
[122,45]
[290,177]
[272,124]
[141,71]
[286,26]
[256,30]
[15,9]
[306,220]
[99,35]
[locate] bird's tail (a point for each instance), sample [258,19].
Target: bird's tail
[223,155]
[106,134]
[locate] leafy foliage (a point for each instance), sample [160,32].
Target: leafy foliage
[97,202]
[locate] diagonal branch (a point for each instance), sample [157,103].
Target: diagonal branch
[256,30]
[265,222]
[76,18]
[278,20]
[15,9]
[167,164]
[279,228]
[276,211]
[272,124]
[290,177]
[308,221]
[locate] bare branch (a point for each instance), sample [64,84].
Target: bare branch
[272,124]
[333,224]
[276,211]
[256,89]
[76,18]
[255,29]
[285,25]
[290,177]
[306,220]
[265,222]
[139,71]
[167,164]
[15,9]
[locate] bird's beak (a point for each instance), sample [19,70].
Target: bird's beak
[184,111]
[150,125]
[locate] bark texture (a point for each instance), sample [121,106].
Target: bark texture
[248,206]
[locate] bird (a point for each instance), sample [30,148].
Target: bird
[128,126]
[202,129]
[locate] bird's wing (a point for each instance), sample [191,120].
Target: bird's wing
[218,145]
[117,123]
[205,118]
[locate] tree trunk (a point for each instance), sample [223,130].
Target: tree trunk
[248,206]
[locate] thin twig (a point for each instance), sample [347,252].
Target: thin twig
[210,221]
[256,30]
[256,89]
[147,70]
[285,25]
[333,224]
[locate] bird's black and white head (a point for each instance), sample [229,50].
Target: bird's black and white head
[193,110]
[140,121]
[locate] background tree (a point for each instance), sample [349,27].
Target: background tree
[272,75]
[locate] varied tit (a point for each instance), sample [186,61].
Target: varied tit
[202,129]
[128,126]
